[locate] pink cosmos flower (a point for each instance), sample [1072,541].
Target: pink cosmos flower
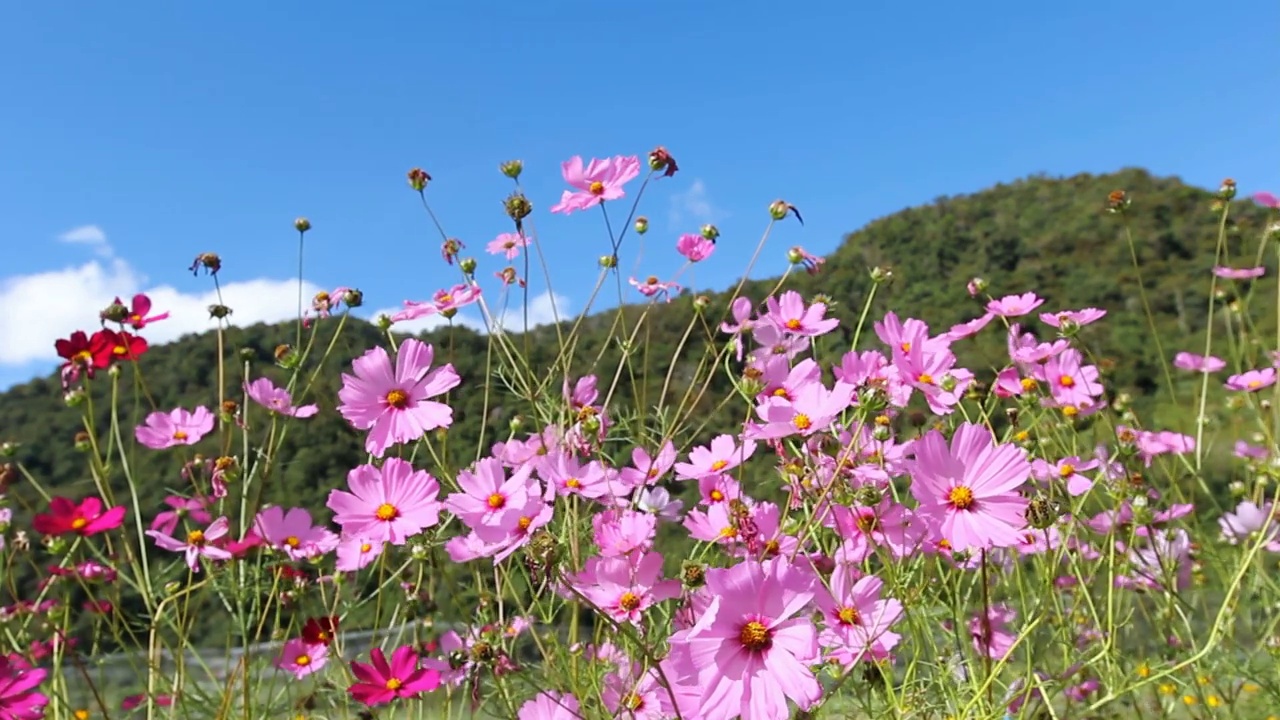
[550,705]
[381,682]
[357,552]
[139,316]
[857,619]
[388,504]
[199,543]
[752,647]
[968,329]
[85,518]
[393,403]
[813,410]
[636,698]
[1250,522]
[1198,363]
[177,427]
[968,492]
[445,302]
[508,245]
[600,181]
[1015,305]
[1164,563]
[1266,199]
[1075,317]
[1070,382]
[301,658]
[292,533]
[741,309]
[720,456]
[277,400]
[19,699]
[136,701]
[789,314]
[563,472]
[887,525]
[1252,380]
[1067,471]
[622,531]
[194,508]
[624,587]
[695,247]
[990,632]
[1245,451]
[1239,273]
[487,492]
[652,287]
[646,469]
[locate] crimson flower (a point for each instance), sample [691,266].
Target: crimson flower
[84,519]
[109,346]
[81,353]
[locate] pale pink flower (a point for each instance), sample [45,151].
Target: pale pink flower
[300,658]
[695,247]
[1250,522]
[968,492]
[790,314]
[1075,317]
[1071,382]
[1198,363]
[1239,273]
[1015,305]
[624,587]
[857,618]
[647,470]
[356,552]
[813,410]
[197,544]
[508,245]
[720,456]
[652,287]
[487,492]
[599,181]
[292,533]
[550,705]
[388,504]
[194,508]
[277,400]
[177,427]
[1252,380]
[393,403]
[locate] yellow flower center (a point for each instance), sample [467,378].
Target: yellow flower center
[960,497]
[906,347]
[1070,410]
[629,601]
[119,350]
[755,636]
[719,465]
[398,399]
[180,435]
[1255,383]
[81,714]
[728,531]
[849,616]
[793,324]
[302,660]
[632,701]
[925,379]
[867,522]
[365,547]
[524,523]
[597,188]
[195,537]
[573,483]
[716,496]
[780,392]
[1067,470]
[394,684]
[802,422]
[1029,384]
[1067,381]
[292,541]
[84,356]
[496,501]
[387,512]
[79,523]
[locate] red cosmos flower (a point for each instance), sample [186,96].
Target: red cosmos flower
[80,353]
[320,630]
[114,345]
[84,519]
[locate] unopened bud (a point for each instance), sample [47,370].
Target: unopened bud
[868,495]
[1117,201]
[384,322]
[302,224]
[512,168]
[701,303]
[516,423]
[282,351]
[710,232]
[247,355]
[115,312]
[608,261]
[1227,190]
[9,448]
[219,311]
[518,207]
[449,313]
[692,574]
[73,397]
[642,225]
[82,441]
[778,210]
[352,298]
[418,179]
[881,433]
[468,265]
[881,275]
[660,159]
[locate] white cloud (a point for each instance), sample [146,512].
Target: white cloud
[693,207]
[58,302]
[544,308]
[90,235]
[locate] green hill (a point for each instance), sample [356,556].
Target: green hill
[1049,235]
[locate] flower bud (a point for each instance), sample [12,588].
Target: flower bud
[82,441]
[518,207]
[512,168]
[778,210]
[1228,189]
[209,261]
[353,298]
[1117,202]
[115,312]
[449,313]
[468,265]
[868,495]
[710,232]
[172,587]
[515,424]
[74,397]
[881,275]
[302,224]
[642,225]
[692,575]
[419,551]
[976,286]
[660,159]
[9,448]
[701,303]
[282,351]
[609,261]
[881,433]
[384,322]
[247,355]
[219,311]
[418,179]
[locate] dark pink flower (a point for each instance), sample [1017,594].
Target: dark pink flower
[85,518]
[380,682]
[695,247]
[19,699]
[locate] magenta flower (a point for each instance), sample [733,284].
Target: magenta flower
[857,619]
[176,427]
[277,400]
[84,518]
[695,247]
[1252,380]
[393,403]
[381,682]
[601,180]
[1239,273]
[199,543]
[507,244]
[1266,199]
[301,658]
[292,533]
[182,508]
[1015,305]
[388,504]
[968,492]
[624,587]
[789,314]
[19,699]
[1198,363]
[139,314]
[751,649]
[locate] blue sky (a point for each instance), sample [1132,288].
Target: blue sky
[151,131]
